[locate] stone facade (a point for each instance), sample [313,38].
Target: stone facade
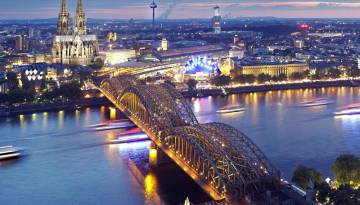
[73,46]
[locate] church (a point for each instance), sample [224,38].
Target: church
[72,44]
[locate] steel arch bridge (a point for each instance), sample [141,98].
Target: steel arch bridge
[221,159]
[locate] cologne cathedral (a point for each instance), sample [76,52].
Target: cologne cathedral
[73,45]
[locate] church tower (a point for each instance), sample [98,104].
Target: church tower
[63,25]
[74,45]
[80,19]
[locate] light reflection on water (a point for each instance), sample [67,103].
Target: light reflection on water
[59,142]
[287,133]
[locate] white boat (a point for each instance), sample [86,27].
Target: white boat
[352,109]
[315,102]
[231,109]
[9,152]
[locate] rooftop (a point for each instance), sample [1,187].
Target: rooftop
[190,51]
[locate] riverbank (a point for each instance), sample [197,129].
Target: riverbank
[46,107]
[270,87]
[31,108]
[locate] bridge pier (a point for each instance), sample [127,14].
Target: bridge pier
[157,157]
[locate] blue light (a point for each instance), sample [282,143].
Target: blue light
[200,64]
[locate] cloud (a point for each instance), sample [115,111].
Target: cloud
[139,9]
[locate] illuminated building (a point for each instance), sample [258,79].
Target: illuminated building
[115,57]
[226,66]
[73,46]
[299,44]
[112,37]
[40,71]
[273,69]
[216,20]
[164,44]
[200,69]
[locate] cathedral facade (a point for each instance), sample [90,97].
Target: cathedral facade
[72,44]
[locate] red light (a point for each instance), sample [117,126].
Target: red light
[304,26]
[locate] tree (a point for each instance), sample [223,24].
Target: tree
[297,76]
[244,78]
[303,174]
[4,98]
[98,64]
[49,95]
[191,83]
[25,82]
[334,73]
[12,79]
[220,80]
[169,82]
[345,195]
[262,78]
[318,75]
[354,72]
[20,95]
[324,192]
[346,169]
[71,91]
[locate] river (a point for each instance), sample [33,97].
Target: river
[66,162]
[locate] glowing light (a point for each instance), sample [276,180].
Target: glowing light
[112,113]
[151,184]
[200,64]
[33,117]
[153,156]
[197,106]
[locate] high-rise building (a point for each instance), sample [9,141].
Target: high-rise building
[216,20]
[164,44]
[31,32]
[74,46]
[21,43]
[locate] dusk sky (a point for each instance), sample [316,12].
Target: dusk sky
[138,9]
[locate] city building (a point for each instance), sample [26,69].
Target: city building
[21,43]
[274,69]
[74,46]
[201,69]
[299,44]
[40,71]
[115,57]
[164,44]
[3,82]
[112,37]
[216,20]
[184,54]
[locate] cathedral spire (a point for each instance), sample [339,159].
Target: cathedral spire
[80,19]
[63,7]
[63,25]
[79,8]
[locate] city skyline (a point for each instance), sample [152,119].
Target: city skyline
[110,9]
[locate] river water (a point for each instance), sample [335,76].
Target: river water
[66,162]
